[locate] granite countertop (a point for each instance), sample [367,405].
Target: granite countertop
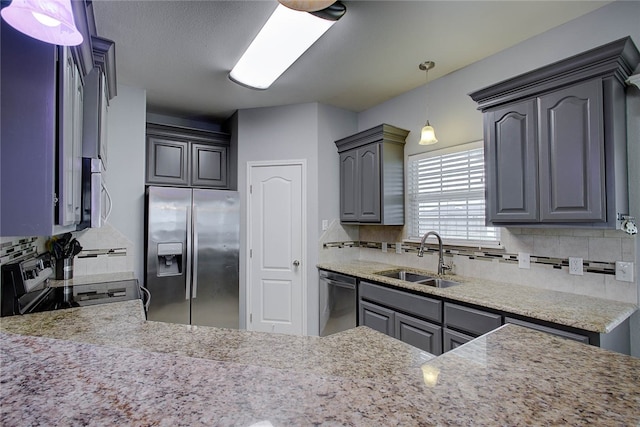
[578,311]
[105,365]
[92,278]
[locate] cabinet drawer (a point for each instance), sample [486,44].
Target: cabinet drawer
[553,331]
[470,320]
[453,339]
[417,305]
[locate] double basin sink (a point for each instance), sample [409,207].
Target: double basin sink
[422,279]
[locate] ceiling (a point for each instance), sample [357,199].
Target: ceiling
[181,52]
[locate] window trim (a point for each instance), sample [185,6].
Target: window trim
[447,241]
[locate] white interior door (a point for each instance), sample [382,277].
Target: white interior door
[276,233]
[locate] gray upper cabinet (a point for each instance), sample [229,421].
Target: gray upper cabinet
[372,176]
[511,162]
[209,166]
[187,157]
[555,141]
[100,87]
[40,154]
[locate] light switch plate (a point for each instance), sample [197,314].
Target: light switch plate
[575,266]
[325,224]
[384,246]
[624,271]
[398,247]
[524,260]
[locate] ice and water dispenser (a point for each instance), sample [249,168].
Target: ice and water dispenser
[169,259]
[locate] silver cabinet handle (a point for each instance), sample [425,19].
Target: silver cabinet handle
[296,263]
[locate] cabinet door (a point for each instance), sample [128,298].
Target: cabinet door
[167,161]
[102,123]
[66,159]
[452,339]
[511,164]
[78,113]
[368,178]
[571,148]
[376,317]
[208,166]
[348,187]
[418,333]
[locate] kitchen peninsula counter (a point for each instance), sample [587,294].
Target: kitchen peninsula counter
[578,311]
[106,365]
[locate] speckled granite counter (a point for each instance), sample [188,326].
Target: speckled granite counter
[97,376]
[578,311]
[92,278]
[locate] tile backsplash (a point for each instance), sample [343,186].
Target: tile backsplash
[549,250]
[104,250]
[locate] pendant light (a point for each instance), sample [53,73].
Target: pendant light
[50,21]
[428,134]
[307,5]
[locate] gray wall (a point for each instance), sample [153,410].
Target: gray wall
[292,133]
[125,171]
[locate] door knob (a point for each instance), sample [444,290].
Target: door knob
[296,263]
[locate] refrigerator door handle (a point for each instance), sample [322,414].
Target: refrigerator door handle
[195,252]
[188,251]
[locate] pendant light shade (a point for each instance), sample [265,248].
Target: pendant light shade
[307,5]
[50,21]
[428,134]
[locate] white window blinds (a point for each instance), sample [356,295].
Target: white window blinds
[446,194]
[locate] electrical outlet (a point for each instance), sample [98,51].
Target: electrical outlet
[624,271]
[325,224]
[575,266]
[384,246]
[524,260]
[398,247]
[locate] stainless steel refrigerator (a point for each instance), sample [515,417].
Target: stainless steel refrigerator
[192,246]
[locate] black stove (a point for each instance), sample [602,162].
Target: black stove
[26,289]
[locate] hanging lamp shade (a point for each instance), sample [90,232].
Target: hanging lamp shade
[307,5]
[428,135]
[50,21]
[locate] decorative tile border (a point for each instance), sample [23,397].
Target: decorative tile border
[598,267]
[17,249]
[94,253]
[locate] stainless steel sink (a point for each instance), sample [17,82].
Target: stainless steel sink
[441,283]
[422,279]
[406,276]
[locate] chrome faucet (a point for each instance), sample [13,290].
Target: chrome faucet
[441,265]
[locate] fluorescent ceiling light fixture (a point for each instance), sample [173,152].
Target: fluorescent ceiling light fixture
[50,21]
[283,39]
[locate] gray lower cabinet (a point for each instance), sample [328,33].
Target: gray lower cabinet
[553,331]
[413,319]
[418,333]
[471,321]
[377,317]
[452,339]
[555,141]
[372,176]
[187,157]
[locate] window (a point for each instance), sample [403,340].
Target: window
[446,194]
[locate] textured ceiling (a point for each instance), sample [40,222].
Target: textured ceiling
[180,52]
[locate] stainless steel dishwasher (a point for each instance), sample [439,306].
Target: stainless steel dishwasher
[338,302]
